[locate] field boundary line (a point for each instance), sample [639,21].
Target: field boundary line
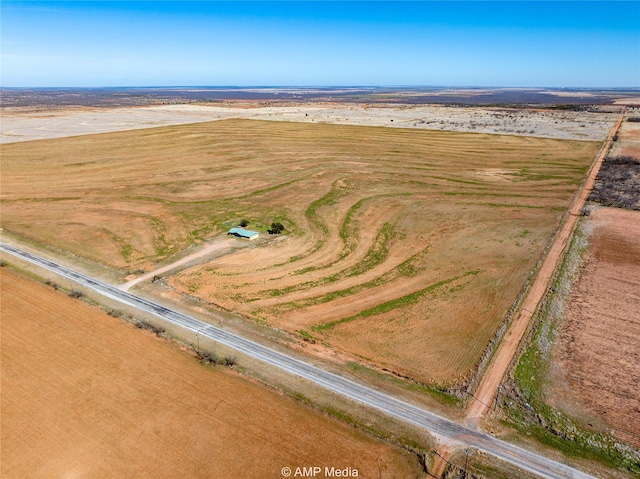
[508,347]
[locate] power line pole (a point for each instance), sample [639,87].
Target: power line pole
[495,405]
[466,461]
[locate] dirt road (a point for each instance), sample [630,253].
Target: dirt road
[210,251]
[488,387]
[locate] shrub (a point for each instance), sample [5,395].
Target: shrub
[74,293]
[276,229]
[230,361]
[150,327]
[209,357]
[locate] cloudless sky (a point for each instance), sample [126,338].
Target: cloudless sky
[453,43]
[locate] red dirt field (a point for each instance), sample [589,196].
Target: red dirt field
[87,395]
[597,347]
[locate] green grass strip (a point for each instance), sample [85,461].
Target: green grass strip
[376,255]
[457,180]
[502,205]
[406,268]
[329,199]
[348,231]
[392,304]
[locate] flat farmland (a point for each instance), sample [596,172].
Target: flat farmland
[596,356]
[87,395]
[403,248]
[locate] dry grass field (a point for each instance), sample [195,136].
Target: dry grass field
[87,395]
[402,247]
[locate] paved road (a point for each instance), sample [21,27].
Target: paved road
[382,402]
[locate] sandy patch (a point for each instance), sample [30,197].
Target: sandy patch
[495,174]
[627,101]
[539,123]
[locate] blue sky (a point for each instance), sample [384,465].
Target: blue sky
[526,44]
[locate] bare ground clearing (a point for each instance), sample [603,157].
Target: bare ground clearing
[18,125]
[395,237]
[597,355]
[87,395]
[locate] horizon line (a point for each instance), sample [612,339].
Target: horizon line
[409,86]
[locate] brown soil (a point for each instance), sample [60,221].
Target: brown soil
[397,231]
[440,462]
[597,349]
[87,395]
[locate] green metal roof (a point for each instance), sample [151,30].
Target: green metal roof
[242,232]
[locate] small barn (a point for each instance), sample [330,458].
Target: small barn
[242,233]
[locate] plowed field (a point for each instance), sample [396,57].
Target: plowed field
[402,247]
[86,395]
[598,347]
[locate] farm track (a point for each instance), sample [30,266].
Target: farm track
[212,250]
[488,388]
[377,400]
